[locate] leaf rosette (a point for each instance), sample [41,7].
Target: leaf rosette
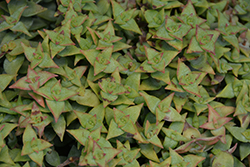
[173,32]
[55,96]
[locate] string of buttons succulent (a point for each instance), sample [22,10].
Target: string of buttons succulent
[133,83]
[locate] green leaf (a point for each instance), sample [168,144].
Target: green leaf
[37,157]
[55,49]
[56,107]
[232,39]
[194,46]
[170,133]
[13,66]
[244,150]
[4,155]
[53,158]
[4,26]
[223,159]
[114,130]
[148,151]
[29,134]
[33,9]
[152,101]
[5,79]
[20,27]
[175,157]
[117,9]
[59,126]
[237,133]
[193,160]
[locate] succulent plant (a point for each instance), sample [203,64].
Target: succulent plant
[134,83]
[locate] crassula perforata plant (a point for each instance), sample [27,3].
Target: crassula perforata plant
[134,83]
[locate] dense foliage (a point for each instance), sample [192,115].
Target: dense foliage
[150,83]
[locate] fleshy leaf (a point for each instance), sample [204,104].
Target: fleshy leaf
[223,158]
[56,107]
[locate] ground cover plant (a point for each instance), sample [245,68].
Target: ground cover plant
[150,83]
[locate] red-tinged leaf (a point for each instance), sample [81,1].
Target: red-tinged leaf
[109,29]
[193,89]
[56,107]
[98,67]
[38,145]
[166,102]
[223,120]
[80,70]
[212,114]
[47,62]
[52,35]
[165,163]
[108,98]
[185,147]
[29,134]
[193,160]
[152,101]
[188,9]
[37,157]
[4,26]
[55,49]
[91,55]
[45,76]
[220,132]
[215,121]
[202,140]
[110,153]
[21,109]
[114,130]
[155,141]
[16,14]
[117,9]
[207,39]
[131,25]
[174,85]
[175,157]
[60,93]
[176,43]
[36,114]
[148,151]
[173,116]
[182,69]
[130,127]
[232,39]
[93,34]
[174,135]
[45,92]
[27,149]
[20,27]
[163,34]
[194,46]
[151,53]
[208,125]
[81,135]
[40,126]
[168,56]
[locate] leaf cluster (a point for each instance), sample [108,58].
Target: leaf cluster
[134,83]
